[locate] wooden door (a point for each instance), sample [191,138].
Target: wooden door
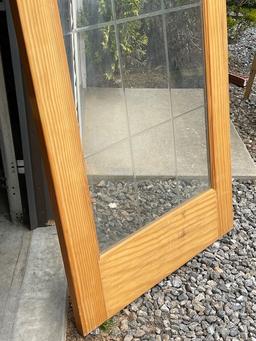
[106,270]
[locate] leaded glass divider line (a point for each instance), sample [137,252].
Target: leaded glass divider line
[130,19]
[75,42]
[136,199]
[170,97]
[198,5]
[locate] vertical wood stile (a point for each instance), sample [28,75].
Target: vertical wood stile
[216,55]
[43,55]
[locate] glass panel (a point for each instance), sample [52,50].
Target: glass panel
[105,137]
[185,49]
[186,67]
[65,14]
[145,80]
[114,193]
[191,148]
[103,111]
[126,9]
[92,12]
[141,98]
[69,51]
[177,3]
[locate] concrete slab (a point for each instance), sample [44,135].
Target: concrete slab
[14,245]
[243,165]
[41,315]
[152,132]
[32,284]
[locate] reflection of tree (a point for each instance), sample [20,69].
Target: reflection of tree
[139,41]
[241,15]
[184,30]
[104,54]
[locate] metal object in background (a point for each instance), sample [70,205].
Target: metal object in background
[8,154]
[39,206]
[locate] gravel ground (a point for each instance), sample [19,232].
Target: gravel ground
[213,296]
[243,113]
[122,207]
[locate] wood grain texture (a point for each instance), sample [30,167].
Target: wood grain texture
[144,259]
[44,58]
[216,59]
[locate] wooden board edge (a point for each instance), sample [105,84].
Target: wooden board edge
[44,61]
[216,64]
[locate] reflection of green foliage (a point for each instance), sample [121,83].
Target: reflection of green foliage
[240,3]
[128,8]
[241,15]
[141,41]
[132,41]
[250,15]
[231,22]
[185,48]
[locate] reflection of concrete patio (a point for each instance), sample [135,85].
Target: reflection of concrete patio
[146,147]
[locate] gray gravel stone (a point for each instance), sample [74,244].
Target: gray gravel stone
[164,308]
[128,338]
[139,333]
[124,325]
[176,282]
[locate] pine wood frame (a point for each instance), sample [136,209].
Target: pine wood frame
[252,76]
[101,285]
